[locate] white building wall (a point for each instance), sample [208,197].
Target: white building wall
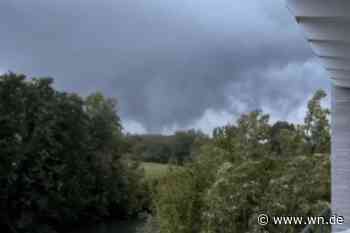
[341,155]
[326,26]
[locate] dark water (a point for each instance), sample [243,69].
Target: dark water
[112,227]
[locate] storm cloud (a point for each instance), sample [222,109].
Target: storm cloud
[171,64]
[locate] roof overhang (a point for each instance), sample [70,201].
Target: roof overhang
[326,24]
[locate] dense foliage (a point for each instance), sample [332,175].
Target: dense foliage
[249,168]
[60,158]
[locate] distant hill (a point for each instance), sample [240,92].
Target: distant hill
[177,148]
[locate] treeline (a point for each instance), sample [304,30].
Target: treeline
[179,148]
[61,159]
[280,138]
[249,168]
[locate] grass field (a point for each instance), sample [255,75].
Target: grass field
[155,170]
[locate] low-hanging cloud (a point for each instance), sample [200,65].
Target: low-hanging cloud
[168,62]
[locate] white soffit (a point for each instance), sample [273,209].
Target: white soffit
[327,28]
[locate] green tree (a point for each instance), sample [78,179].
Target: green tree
[249,138]
[286,139]
[44,134]
[298,186]
[179,198]
[60,158]
[237,176]
[183,146]
[317,127]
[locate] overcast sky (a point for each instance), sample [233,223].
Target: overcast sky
[172,64]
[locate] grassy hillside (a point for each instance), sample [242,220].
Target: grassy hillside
[156,170]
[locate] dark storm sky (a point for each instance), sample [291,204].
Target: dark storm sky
[172,64]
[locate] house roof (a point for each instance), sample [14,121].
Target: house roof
[326,25]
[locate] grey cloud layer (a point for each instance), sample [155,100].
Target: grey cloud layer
[166,61]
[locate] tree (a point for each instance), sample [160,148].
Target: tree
[44,134]
[183,146]
[179,198]
[249,138]
[317,127]
[105,129]
[276,187]
[279,132]
[253,134]
[60,158]
[286,139]
[236,177]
